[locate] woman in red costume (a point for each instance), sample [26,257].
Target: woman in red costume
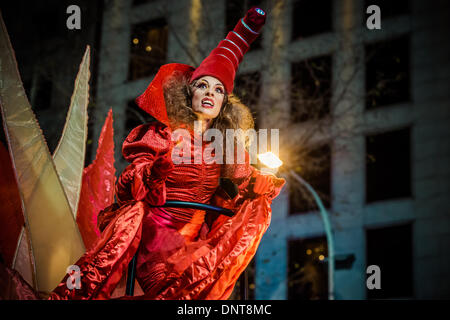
[182,253]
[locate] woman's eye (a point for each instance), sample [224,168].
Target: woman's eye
[201,85]
[219,90]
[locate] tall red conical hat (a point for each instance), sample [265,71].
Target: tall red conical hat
[223,62]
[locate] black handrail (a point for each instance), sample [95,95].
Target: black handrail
[197,205]
[243,285]
[131,275]
[178,204]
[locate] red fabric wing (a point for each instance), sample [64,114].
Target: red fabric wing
[97,190]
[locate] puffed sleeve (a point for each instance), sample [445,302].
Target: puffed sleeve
[148,149]
[244,174]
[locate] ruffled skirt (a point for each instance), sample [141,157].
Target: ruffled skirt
[169,264]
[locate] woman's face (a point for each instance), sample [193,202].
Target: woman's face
[208,96]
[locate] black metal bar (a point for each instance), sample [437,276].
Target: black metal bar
[131,276]
[243,285]
[197,205]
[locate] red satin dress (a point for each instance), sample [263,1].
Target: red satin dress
[181,253]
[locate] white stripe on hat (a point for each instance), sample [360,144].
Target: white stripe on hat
[241,38]
[237,60]
[219,54]
[235,46]
[250,29]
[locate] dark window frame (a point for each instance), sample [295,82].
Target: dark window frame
[311,88]
[301,26]
[397,274]
[294,272]
[316,180]
[244,81]
[393,89]
[144,64]
[392,191]
[139,2]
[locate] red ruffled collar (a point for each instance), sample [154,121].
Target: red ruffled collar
[152,100]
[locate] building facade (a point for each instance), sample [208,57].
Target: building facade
[388,134]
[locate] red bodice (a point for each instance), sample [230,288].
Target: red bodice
[191,182]
[153,176]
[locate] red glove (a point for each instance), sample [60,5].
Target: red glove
[263,184]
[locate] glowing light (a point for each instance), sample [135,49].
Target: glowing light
[148,48]
[321,257]
[261,12]
[308,252]
[270,160]
[135,40]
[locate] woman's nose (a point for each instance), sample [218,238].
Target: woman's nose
[210,92]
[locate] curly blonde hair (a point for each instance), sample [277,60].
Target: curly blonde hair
[178,93]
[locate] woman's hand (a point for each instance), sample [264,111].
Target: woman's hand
[263,184]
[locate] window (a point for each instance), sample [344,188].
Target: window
[138,2]
[310,18]
[387,72]
[135,116]
[391,250]
[315,169]
[43,93]
[310,89]
[388,165]
[307,269]
[235,10]
[148,48]
[389,8]
[247,87]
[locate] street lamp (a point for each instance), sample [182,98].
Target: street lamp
[273,162]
